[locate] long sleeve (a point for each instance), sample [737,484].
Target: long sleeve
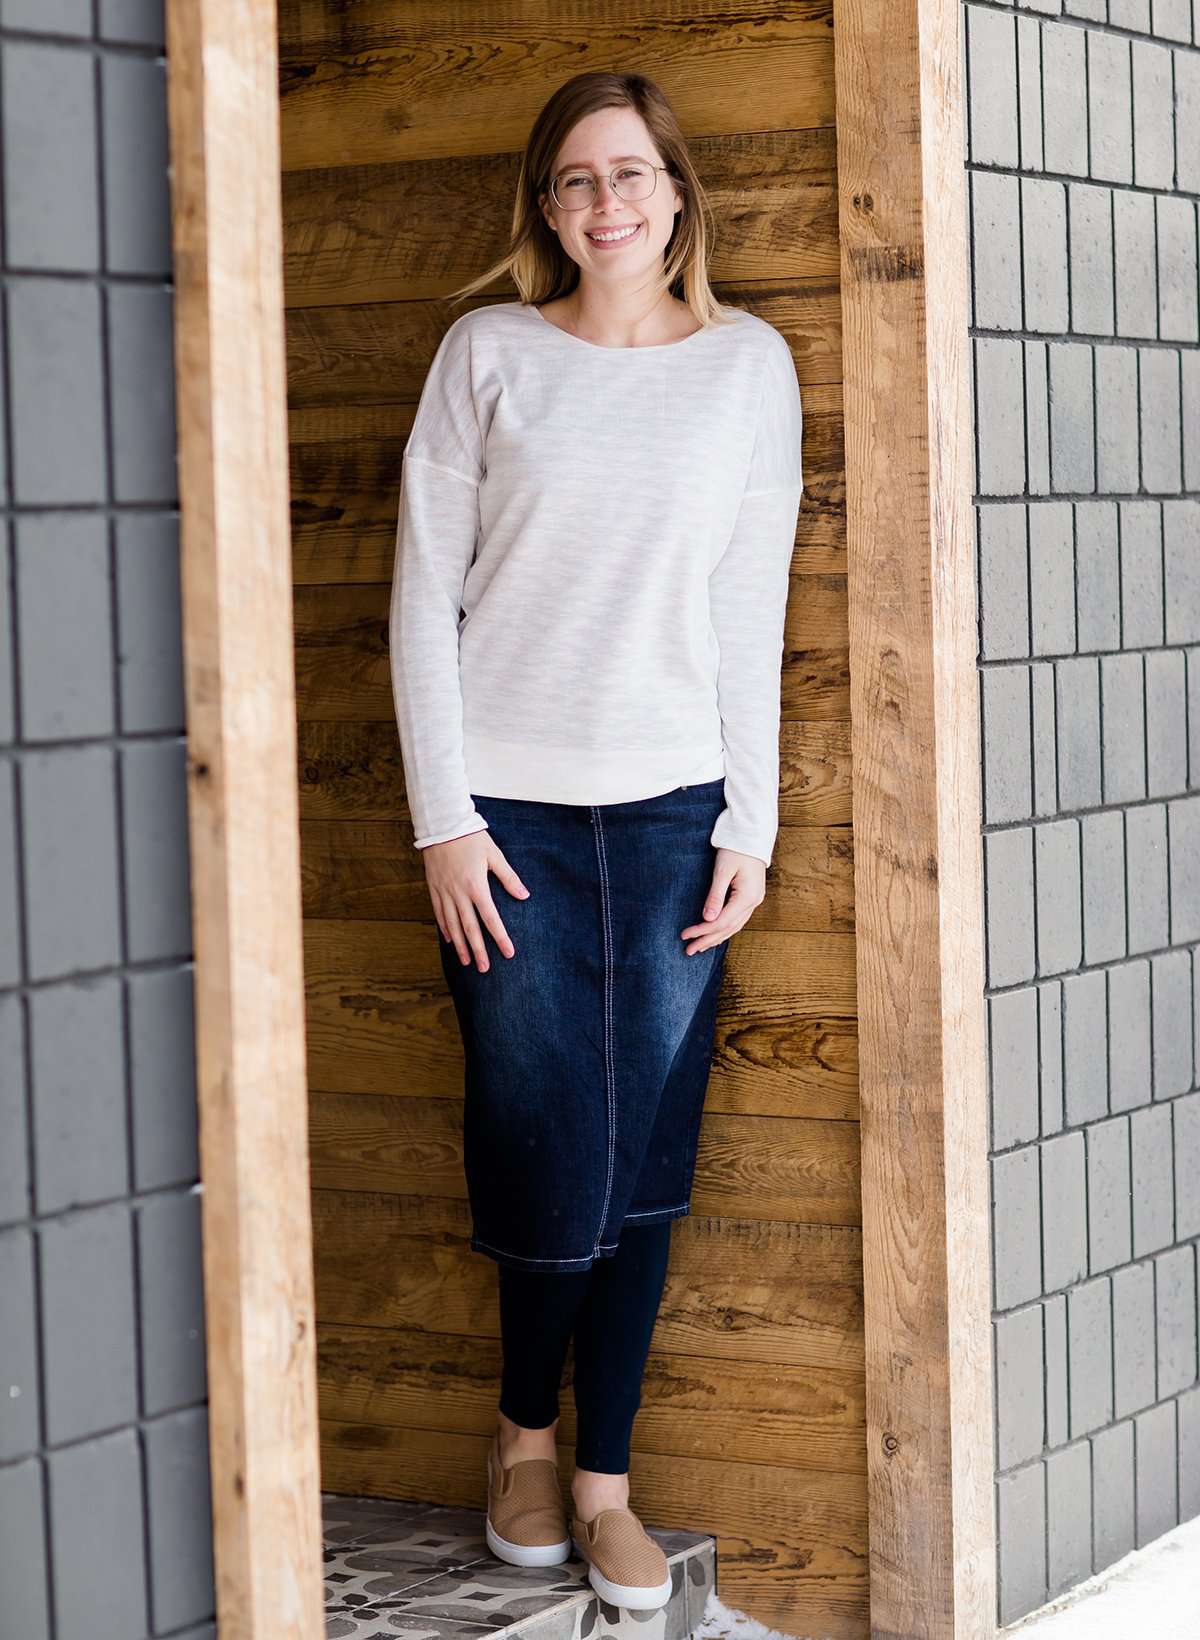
[436,534]
[748,592]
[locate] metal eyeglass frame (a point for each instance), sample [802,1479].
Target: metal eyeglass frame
[554,190]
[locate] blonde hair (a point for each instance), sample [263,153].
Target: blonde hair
[536,261]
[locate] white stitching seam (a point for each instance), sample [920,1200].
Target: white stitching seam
[609,1068]
[525,1259]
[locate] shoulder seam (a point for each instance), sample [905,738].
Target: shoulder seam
[440,467]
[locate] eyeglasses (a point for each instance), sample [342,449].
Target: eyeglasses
[575,190]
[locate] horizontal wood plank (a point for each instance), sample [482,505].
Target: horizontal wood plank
[742,1290]
[371,869]
[342,655]
[345,462]
[802,1417]
[380,1019]
[376,232]
[786,1169]
[354,771]
[373,82]
[380,352]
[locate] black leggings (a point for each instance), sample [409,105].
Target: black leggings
[611,1308]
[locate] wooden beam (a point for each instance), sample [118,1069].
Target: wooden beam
[243,817]
[916,807]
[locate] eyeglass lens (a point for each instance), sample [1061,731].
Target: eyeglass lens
[575,189]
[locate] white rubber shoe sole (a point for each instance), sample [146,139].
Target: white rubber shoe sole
[527,1554]
[629,1595]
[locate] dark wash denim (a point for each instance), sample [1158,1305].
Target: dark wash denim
[588,1052]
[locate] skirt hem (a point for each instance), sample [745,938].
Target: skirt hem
[519,1261]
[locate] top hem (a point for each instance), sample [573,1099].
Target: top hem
[500,768]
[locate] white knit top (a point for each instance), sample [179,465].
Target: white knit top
[591,571]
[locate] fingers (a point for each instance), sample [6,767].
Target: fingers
[491,917]
[458,917]
[725,925]
[508,876]
[724,872]
[735,913]
[472,933]
[451,926]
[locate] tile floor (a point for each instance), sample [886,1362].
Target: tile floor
[424,1571]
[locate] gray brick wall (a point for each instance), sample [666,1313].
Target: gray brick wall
[105,1529]
[1084,173]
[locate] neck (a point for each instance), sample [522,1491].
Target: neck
[620,317]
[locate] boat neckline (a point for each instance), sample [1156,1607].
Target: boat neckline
[600,347]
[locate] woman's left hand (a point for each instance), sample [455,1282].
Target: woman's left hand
[743,877]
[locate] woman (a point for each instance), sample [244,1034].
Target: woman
[597,515]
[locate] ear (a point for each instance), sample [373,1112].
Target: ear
[547,214]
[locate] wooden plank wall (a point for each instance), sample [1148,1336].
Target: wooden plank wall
[400,133]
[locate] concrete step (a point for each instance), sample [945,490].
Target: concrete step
[425,1571]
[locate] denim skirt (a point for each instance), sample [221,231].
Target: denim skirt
[588,1052]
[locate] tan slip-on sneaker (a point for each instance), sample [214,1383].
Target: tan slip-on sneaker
[526,1521]
[625,1565]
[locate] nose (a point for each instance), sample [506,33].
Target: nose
[606,194]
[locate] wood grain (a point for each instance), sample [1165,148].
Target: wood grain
[376,231]
[370,869]
[345,496]
[748,1166]
[916,801]
[784,1540]
[353,771]
[373,82]
[395,121]
[800,1416]
[739,1290]
[342,669]
[380,1020]
[243,830]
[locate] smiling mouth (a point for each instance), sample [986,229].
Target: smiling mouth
[620,236]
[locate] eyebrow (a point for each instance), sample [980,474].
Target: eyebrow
[614,159]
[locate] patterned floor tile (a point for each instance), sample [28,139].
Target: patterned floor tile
[424,1571]
[701,1582]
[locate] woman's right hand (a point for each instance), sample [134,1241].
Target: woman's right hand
[457,875]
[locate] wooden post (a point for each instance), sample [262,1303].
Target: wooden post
[916,808]
[243,817]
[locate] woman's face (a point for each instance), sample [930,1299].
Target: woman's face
[598,143]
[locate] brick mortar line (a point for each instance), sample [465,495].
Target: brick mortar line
[16,752]
[994,663]
[105,288]
[1154,497]
[143,1421]
[93,44]
[1088,25]
[100,278]
[1098,968]
[1029,822]
[1164,1102]
[134,1198]
[1101,1429]
[1071,179]
[1090,339]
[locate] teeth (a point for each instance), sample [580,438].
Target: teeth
[621,233]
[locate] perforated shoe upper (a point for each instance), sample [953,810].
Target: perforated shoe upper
[619,1546]
[525,1501]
